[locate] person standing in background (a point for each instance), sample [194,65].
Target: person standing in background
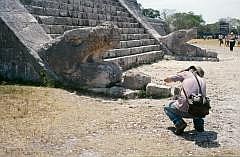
[227,40]
[232,41]
[220,38]
[238,40]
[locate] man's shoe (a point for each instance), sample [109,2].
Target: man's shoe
[180,126]
[199,129]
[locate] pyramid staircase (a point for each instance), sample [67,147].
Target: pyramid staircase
[136,47]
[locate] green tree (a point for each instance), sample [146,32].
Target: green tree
[184,21]
[208,29]
[151,13]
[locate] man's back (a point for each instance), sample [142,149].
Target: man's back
[190,85]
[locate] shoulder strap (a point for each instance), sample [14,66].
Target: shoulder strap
[184,93]
[200,89]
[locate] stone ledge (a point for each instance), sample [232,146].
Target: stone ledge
[131,61]
[60,29]
[69,21]
[190,58]
[131,51]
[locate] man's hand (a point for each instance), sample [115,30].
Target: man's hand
[167,80]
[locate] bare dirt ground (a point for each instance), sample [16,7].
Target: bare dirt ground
[37,121]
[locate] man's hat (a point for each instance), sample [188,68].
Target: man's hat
[198,70]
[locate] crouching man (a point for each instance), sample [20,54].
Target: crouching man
[192,83]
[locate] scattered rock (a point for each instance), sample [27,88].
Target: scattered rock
[135,81]
[116,92]
[92,75]
[103,91]
[211,54]
[131,94]
[158,91]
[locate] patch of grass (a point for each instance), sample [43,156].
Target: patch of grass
[142,94]
[23,101]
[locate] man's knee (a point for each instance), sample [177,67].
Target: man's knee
[168,109]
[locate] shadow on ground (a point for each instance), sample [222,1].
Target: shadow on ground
[206,139]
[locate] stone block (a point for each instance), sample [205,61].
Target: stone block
[116,92]
[211,54]
[158,91]
[102,91]
[135,81]
[131,94]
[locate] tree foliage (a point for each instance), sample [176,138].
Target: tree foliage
[184,21]
[151,13]
[208,29]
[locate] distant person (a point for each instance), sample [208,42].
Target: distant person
[193,83]
[238,40]
[220,38]
[227,40]
[232,40]
[204,37]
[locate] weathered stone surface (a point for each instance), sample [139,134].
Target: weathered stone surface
[98,74]
[23,24]
[175,40]
[102,91]
[133,9]
[116,92]
[212,54]
[158,24]
[80,46]
[132,80]
[131,94]
[158,91]
[176,43]
[73,56]
[34,55]
[29,53]
[20,38]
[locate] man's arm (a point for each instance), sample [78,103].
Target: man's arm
[168,80]
[174,78]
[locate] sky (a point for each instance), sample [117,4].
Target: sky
[211,10]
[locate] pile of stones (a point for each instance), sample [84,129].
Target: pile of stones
[137,85]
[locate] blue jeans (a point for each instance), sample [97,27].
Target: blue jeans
[176,116]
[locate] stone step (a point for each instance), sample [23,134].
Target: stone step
[125,37]
[55,35]
[96,8]
[132,30]
[131,61]
[74,4]
[73,13]
[60,29]
[79,14]
[130,51]
[53,20]
[136,43]
[90,2]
